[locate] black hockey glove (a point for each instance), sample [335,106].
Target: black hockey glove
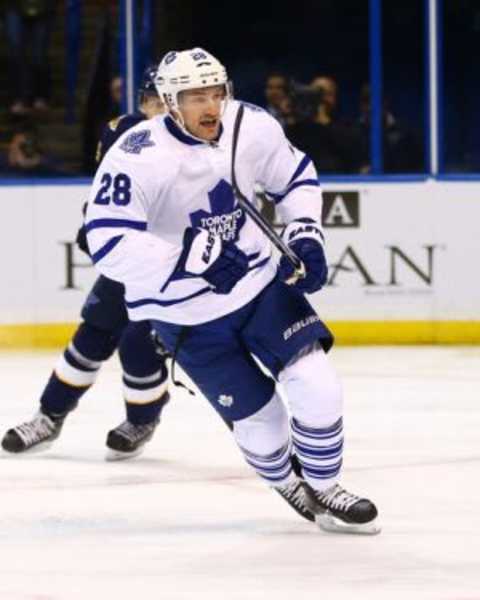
[81,238]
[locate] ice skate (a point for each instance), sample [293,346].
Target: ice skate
[36,435]
[339,511]
[128,440]
[294,494]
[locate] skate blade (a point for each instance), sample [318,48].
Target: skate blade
[115,455]
[328,522]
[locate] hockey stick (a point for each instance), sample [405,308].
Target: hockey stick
[257,217]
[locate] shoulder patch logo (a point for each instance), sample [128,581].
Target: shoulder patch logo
[137,141]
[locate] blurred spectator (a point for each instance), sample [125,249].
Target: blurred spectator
[402,152]
[104,104]
[27,29]
[276,87]
[116,96]
[327,108]
[332,144]
[25,156]
[287,114]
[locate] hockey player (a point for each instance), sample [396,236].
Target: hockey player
[105,327]
[162,219]
[149,105]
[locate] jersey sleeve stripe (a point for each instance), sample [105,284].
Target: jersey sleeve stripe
[260,263]
[101,223]
[306,160]
[106,248]
[279,197]
[144,301]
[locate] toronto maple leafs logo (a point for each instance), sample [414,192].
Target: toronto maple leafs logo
[224,219]
[137,141]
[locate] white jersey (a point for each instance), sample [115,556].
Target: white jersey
[156,181]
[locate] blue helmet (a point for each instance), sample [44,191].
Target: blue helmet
[147,85]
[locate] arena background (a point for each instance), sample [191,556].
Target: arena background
[403,246]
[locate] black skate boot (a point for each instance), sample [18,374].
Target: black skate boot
[127,440]
[35,435]
[294,494]
[339,511]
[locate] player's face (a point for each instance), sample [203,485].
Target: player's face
[202,110]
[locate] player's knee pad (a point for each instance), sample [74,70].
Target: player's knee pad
[93,343]
[264,432]
[313,389]
[104,307]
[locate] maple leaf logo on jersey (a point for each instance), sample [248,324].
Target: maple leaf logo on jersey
[225,219]
[137,141]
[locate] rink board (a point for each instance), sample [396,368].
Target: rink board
[403,263]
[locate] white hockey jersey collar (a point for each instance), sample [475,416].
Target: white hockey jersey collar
[183,137]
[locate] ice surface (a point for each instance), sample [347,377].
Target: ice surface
[189,520]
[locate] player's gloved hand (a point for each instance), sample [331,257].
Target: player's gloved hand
[81,239]
[206,255]
[305,238]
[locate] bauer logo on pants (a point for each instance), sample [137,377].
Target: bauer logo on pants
[341,209]
[299,325]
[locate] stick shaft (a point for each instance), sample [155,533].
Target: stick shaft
[251,210]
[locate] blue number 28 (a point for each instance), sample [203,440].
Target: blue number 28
[120,193]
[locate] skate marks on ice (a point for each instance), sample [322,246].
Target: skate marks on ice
[92,473]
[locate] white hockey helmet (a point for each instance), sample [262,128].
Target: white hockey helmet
[187,70]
